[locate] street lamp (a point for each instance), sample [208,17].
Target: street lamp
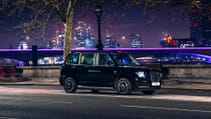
[98,13]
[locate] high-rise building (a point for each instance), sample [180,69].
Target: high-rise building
[110,42]
[57,41]
[196,25]
[60,40]
[201,24]
[52,43]
[83,36]
[107,40]
[136,40]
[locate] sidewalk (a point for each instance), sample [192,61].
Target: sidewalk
[187,84]
[32,81]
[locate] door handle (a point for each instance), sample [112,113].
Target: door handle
[115,71]
[94,71]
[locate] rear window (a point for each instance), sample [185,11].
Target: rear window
[105,60]
[124,59]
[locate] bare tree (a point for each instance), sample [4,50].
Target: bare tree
[35,14]
[39,12]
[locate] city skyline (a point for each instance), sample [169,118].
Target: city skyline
[132,22]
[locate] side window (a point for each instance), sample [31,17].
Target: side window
[105,60]
[87,58]
[73,58]
[117,58]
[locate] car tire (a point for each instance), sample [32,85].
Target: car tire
[123,86]
[70,85]
[148,92]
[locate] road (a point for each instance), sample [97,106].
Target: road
[50,102]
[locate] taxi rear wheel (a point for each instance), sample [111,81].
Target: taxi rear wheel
[70,85]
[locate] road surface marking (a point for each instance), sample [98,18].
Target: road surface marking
[61,102]
[50,102]
[165,108]
[35,101]
[7,118]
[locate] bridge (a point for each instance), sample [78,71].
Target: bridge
[27,54]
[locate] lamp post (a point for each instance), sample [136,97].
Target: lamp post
[98,13]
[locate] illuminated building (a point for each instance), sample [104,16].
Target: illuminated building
[168,41]
[83,38]
[185,42]
[23,44]
[196,25]
[60,41]
[110,42]
[57,41]
[136,40]
[201,24]
[107,40]
[52,43]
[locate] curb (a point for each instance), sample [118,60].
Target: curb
[182,88]
[174,84]
[176,87]
[38,84]
[29,81]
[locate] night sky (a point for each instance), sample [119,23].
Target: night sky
[119,25]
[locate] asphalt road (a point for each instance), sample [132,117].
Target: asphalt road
[51,102]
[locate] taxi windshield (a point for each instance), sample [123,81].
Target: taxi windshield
[124,59]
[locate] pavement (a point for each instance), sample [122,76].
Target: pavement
[187,84]
[30,81]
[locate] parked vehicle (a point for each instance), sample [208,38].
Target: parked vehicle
[97,69]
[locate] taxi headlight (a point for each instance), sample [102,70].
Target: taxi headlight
[140,74]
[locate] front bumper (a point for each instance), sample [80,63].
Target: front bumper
[148,85]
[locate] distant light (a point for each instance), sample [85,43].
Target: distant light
[195,25]
[27,37]
[123,37]
[61,35]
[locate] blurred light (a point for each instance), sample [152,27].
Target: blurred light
[123,37]
[27,37]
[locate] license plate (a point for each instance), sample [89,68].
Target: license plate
[155,83]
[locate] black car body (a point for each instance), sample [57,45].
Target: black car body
[108,69]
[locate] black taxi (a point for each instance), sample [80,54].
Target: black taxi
[118,70]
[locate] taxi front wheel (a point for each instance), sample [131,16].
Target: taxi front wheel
[123,86]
